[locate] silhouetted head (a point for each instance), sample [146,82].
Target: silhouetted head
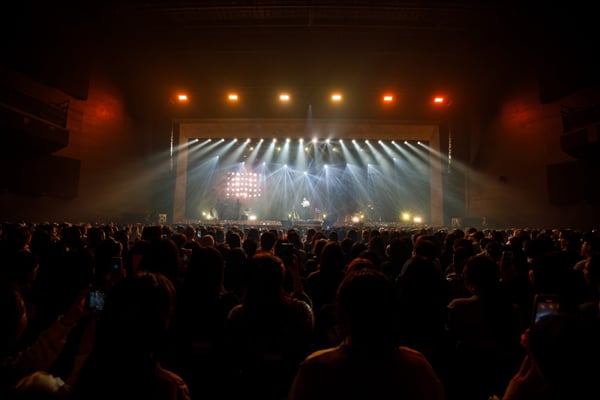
[364,309]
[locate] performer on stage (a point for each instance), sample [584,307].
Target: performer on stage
[305,208]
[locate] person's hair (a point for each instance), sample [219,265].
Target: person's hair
[137,311]
[267,240]
[205,273]
[332,258]
[372,256]
[207,240]
[190,232]
[426,248]
[482,273]
[72,238]
[400,249]
[364,309]
[253,234]
[482,276]
[493,248]
[347,244]
[377,245]
[294,237]
[130,334]
[356,249]
[250,246]
[318,245]
[179,238]
[553,273]
[266,281]
[465,243]
[17,236]
[360,263]
[333,235]
[233,239]
[161,256]
[566,350]
[95,235]
[151,232]
[105,250]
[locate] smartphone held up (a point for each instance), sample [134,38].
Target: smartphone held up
[95,300]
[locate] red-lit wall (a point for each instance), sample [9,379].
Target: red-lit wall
[113,177]
[508,183]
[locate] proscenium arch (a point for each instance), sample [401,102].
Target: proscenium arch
[300,128]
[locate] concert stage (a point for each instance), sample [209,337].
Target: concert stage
[318,224]
[263,223]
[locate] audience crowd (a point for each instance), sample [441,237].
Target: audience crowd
[179,312]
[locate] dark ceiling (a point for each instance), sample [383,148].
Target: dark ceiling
[462,48]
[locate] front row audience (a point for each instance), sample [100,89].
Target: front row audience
[341,316]
[368,363]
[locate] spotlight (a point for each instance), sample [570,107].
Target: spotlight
[182,98]
[440,100]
